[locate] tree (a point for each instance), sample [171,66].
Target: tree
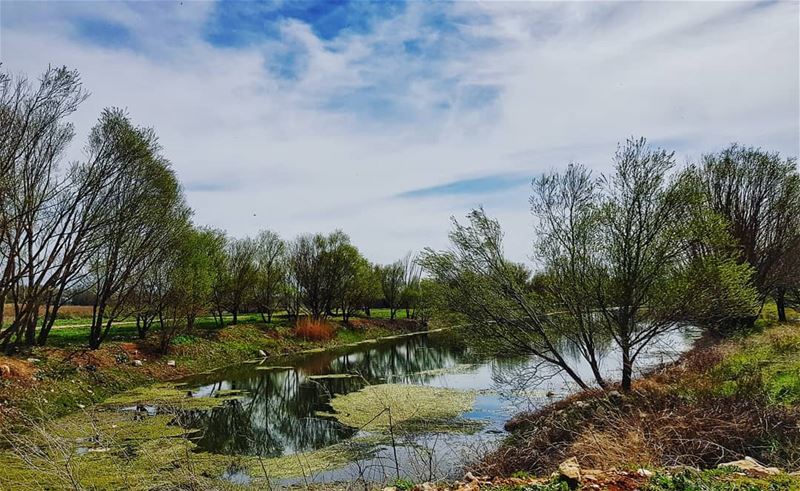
[410,291]
[241,275]
[317,265]
[619,256]
[270,272]
[357,283]
[194,273]
[42,229]
[144,211]
[758,193]
[392,286]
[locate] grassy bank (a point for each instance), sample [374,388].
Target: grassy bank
[725,400]
[53,381]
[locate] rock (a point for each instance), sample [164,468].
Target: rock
[137,363]
[33,360]
[171,363]
[751,466]
[262,353]
[570,471]
[645,473]
[5,371]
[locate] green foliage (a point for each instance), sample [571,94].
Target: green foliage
[725,479]
[403,484]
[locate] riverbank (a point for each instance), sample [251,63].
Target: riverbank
[723,401]
[50,382]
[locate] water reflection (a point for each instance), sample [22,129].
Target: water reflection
[278,414]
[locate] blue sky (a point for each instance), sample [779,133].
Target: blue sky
[386,118]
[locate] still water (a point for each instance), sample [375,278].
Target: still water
[279,414]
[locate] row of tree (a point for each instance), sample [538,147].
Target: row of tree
[114,229]
[624,258]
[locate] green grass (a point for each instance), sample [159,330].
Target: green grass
[386,314]
[719,480]
[766,363]
[74,332]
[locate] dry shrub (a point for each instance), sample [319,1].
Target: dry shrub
[309,329]
[64,312]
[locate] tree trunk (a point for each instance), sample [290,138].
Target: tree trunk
[96,331]
[235,316]
[780,301]
[627,369]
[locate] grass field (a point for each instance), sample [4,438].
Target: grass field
[72,328]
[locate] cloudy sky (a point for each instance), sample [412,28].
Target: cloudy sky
[384,119]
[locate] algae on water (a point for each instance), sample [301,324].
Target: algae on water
[401,407]
[168,395]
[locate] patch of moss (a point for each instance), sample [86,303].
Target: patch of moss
[115,450]
[168,395]
[411,408]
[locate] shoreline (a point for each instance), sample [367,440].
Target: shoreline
[39,389]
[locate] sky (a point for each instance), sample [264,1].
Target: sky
[385,119]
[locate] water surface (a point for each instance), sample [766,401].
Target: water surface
[279,414]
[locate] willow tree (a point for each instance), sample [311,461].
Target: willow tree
[145,214]
[42,205]
[619,255]
[758,194]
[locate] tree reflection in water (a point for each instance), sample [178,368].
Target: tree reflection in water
[277,416]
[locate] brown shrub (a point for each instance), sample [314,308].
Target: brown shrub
[313,330]
[670,418]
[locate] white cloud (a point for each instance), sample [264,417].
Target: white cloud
[259,151]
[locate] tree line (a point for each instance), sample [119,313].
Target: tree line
[114,229]
[627,256]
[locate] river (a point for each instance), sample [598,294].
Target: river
[280,412]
